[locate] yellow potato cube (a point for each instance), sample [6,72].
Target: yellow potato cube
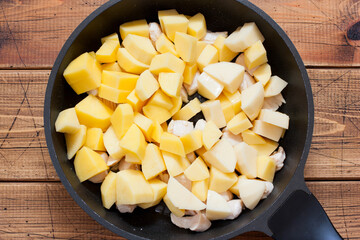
[161,99]
[159,191]
[95,139]
[111,67]
[134,101]
[275,118]
[134,142]
[113,94]
[208,87]
[83,73]
[119,80]
[200,189]
[163,13]
[200,45]
[185,46]
[177,103]
[211,134]
[227,107]
[225,54]
[67,121]
[164,45]
[132,188]
[208,55]
[131,158]
[265,168]
[92,54]
[267,130]
[235,187]
[156,113]
[75,141]
[235,99]
[265,149]
[213,112]
[113,36]
[174,23]
[175,164]
[197,26]
[274,86]
[112,144]
[172,144]
[146,85]
[122,119]
[145,124]
[107,51]
[239,123]
[219,181]
[176,211]
[189,73]
[263,73]
[192,141]
[255,55]
[166,62]
[156,132]
[170,83]
[92,112]
[201,152]
[108,190]
[138,27]
[129,63]
[88,163]
[153,162]
[197,171]
[188,111]
[250,137]
[140,48]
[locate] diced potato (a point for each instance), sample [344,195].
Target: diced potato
[255,55]
[140,48]
[189,110]
[88,163]
[222,156]
[227,73]
[246,159]
[129,63]
[122,119]
[208,56]
[132,159]
[172,144]
[83,73]
[225,54]
[146,85]
[274,86]
[67,121]
[211,134]
[220,182]
[119,80]
[197,26]
[275,118]
[189,73]
[176,211]
[145,124]
[267,148]
[74,141]
[157,132]
[227,107]
[156,113]
[177,103]
[91,112]
[208,87]
[263,73]
[216,207]
[153,162]
[200,189]
[94,139]
[251,192]
[161,99]
[185,46]
[250,137]
[200,45]
[159,191]
[112,144]
[192,141]
[132,188]
[197,171]
[244,37]
[134,101]
[164,45]
[213,112]
[183,198]
[166,62]
[134,142]
[235,99]
[107,51]
[164,13]
[138,27]
[170,83]
[252,99]
[174,23]
[267,130]
[108,190]
[175,164]
[111,67]
[266,167]
[113,94]
[239,123]
[113,36]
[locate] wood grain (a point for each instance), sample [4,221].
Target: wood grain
[45,210]
[33,31]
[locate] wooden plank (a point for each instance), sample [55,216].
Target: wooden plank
[33,31]
[45,210]
[334,153]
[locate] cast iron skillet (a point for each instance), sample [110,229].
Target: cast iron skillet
[290,212]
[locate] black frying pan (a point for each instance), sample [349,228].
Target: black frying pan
[290,212]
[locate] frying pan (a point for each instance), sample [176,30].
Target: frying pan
[290,212]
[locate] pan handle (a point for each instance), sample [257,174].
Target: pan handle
[302,217]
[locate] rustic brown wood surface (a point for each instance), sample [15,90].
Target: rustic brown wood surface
[34,204]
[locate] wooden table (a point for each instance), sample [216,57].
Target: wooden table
[35,205]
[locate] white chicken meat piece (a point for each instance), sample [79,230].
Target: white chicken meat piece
[240,60]
[94,92]
[124,165]
[125,208]
[200,124]
[193,87]
[227,195]
[99,178]
[155,31]
[210,37]
[273,103]
[247,82]
[180,127]
[236,208]
[279,157]
[232,138]
[191,156]
[269,187]
[197,223]
[184,95]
